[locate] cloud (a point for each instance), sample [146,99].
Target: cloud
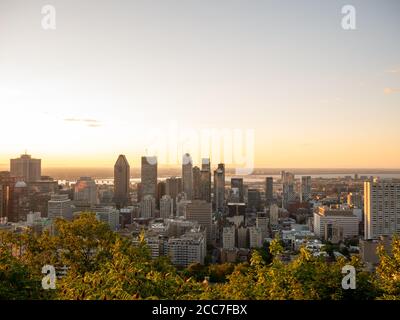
[391,90]
[92,123]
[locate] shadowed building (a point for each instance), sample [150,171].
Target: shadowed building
[121,181]
[187,175]
[26,168]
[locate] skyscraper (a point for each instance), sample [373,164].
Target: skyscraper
[288,193]
[149,176]
[59,206]
[166,207]
[187,175]
[269,190]
[205,177]
[237,188]
[85,191]
[200,211]
[381,208]
[196,183]
[173,186]
[219,187]
[26,168]
[253,200]
[305,194]
[121,181]
[7,183]
[147,206]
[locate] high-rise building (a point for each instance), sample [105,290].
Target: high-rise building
[206,164]
[147,207]
[262,222]
[274,214]
[161,189]
[355,199]
[166,207]
[59,206]
[253,200]
[228,237]
[173,186]
[219,187]
[7,183]
[196,183]
[149,176]
[26,168]
[187,175]
[200,211]
[205,177]
[288,192]
[108,215]
[237,190]
[187,249]
[121,181]
[381,208]
[255,237]
[85,191]
[269,190]
[305,194]
[20,202]
[326,218]
[242,241]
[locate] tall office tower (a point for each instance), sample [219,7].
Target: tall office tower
[187,175]
[237,189]
[121,181]
[20,202]
[173,186]
[206,164]
[161,186]
[262,222]
[7,182]
[269,190]
[381,208]
[253,200]
[196,183]
[274,214]
[85,191]
[26,168]
[59,206]
[205,177]
[242,238]
[200,211]
[228,237]
[355,199]
[166,207]
[147,207]
[219,187]
[149,176]
[305,194]
[288,194]
[255,237]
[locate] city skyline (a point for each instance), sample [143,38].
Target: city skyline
[315,95]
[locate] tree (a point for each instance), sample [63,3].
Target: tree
[388,271]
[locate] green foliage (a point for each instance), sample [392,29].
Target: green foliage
[388,271]
[102,265]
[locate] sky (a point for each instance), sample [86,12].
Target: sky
[115,76]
